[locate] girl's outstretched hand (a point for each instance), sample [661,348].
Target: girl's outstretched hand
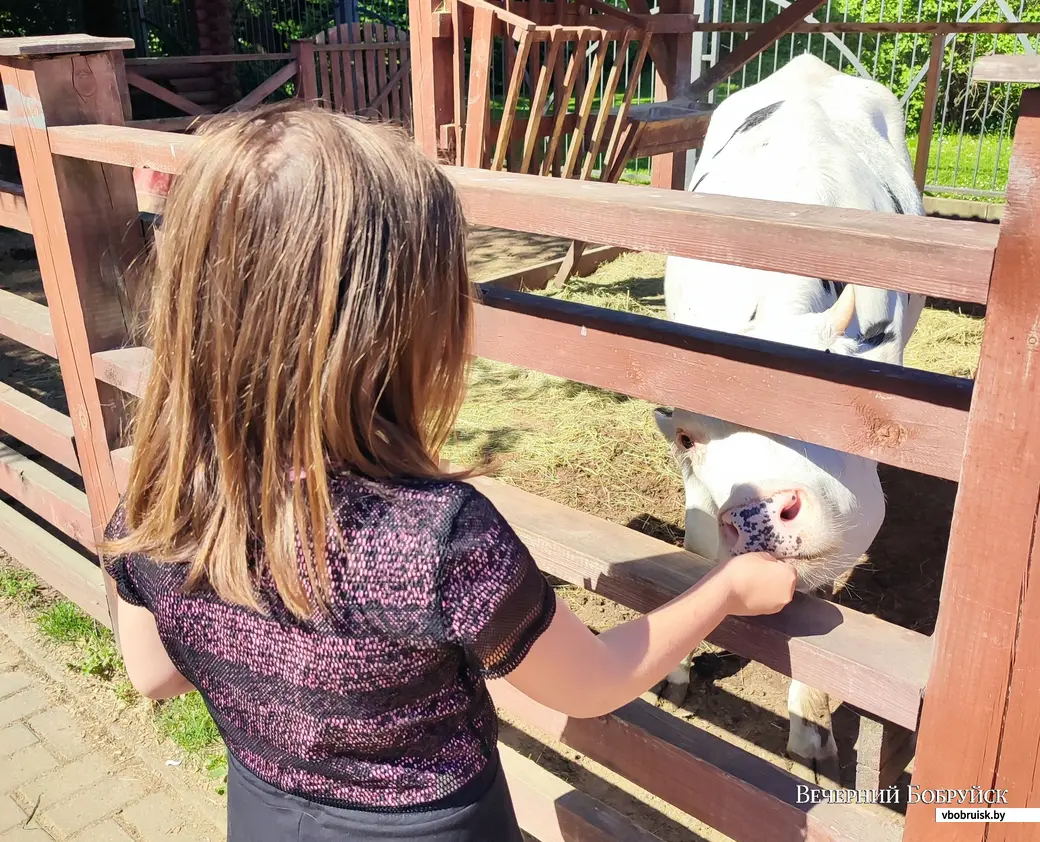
[757,584]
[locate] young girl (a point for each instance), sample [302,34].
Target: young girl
[289,544]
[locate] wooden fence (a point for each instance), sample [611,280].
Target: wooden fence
[361,69]
[977,675]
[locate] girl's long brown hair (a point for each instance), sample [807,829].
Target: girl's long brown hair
[310,312]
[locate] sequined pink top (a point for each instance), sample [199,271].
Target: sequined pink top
[381,704]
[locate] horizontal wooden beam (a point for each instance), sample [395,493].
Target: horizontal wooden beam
[867,662]
[13,211]
[39,426]
[551,810]
[27,322]
[173,62]
[727,788]
[922,255]
[47,45]
[1022,69]
[49,496]
[851,27]
[136,80]
[538,275]
[77,577]
[900,416]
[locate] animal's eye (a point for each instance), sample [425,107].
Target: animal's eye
[826,350]
[685,440]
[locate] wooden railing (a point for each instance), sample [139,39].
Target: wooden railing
[81,205]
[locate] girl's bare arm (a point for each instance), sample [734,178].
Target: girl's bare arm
[571,670]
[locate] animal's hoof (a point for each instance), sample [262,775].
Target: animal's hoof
[672,693]
[813,748]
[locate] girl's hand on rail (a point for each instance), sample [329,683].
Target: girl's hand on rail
[757,584]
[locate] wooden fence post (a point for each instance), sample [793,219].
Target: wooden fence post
[931,99]
[979,725]
[87,230]
[433,92]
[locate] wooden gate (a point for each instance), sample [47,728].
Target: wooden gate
[362,69]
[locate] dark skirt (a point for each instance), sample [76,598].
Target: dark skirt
[259,812]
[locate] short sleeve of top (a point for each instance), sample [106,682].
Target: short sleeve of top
[120,568]
[494,600]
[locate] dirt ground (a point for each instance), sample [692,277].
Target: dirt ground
[730,697]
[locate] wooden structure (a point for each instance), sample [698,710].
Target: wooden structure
[361,69]
[977,675]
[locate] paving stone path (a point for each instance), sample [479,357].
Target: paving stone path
[60,780]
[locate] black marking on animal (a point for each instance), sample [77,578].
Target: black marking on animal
[698,184]
[877,334]
[895,201]
[832,286]
[755,118]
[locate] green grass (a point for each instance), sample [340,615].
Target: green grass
[184,720]
[946,169]
[18,585]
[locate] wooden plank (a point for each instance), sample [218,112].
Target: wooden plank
[75,576]
[538,99]
[899,416]
[382,97]
[170,63]
[585,109]
[340,69]
[126,369]
[42,428]
[478,106]
[512,98]
[382,100]
[27,322]
[308,71]
[45,45]
[13,211]
[371,85]
[853,27]
[563,98]
[267,87]
[395,65]
[1023,69]
[758,41]
[931,99]
[87,233]
[324,58]
[969,717]
[51,498]
[937,257]
[538,276]
[553,811]
[431,76]
[458,77]
[622,114]
[164,94]
[731,790]
[606,105]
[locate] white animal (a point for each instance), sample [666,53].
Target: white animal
[808,134]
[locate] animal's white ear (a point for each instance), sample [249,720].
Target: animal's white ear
[665,422]
[840,314]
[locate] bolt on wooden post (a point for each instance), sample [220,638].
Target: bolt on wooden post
[86,225]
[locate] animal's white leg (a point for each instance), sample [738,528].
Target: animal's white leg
[677,684]
[811,739]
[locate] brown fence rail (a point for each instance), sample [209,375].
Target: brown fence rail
[80,202]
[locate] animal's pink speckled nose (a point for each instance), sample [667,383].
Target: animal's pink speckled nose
[770,524]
